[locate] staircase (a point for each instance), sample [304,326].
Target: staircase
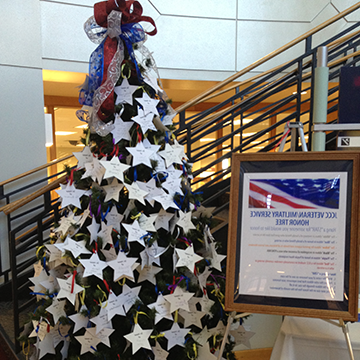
[271,99]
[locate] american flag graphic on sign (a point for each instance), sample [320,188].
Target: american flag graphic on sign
[294,193]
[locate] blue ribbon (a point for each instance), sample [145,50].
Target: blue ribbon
[44,266]
[42,294]
[96,71]
[132,33]
[103,216]
[135,174]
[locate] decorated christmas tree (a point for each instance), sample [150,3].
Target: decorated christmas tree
[132,271]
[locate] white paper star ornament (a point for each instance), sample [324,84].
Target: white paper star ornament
[79,320]
[139,338]
[122,266]
[114,219]
[135,232]
[101,320]
[204,353]
[93,266]
[102,335]
[83,157]
[69,289]
[202,337]
[144,120]
[105,234]
[151,189]
[166,201]
[185,222]
[216,258]
[242,336]
[163,219]
[129,296]
[113,190]
[40,329]
[136,193]
[65,223]
[187,258]
[37,280]
[140,154]
[76,247]
[88,342]
[192,318]
[121,129]
[114,306]
[148,273]
[46,346]
[202,278]
[94,170]
[114,168]
[171,155]
[70,196]
[124,92]
[148,104]
[206,304]
[176,335]
[147,222]
[162,308]
[159,352]
[56,309]
[179,299]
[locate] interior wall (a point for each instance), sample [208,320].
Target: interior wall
[22,134]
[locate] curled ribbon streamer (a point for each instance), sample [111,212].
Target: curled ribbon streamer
[28,349]
[104,294]
[220,296]
[82,297]
[195,352]
[136,317]
[123,282]
[38,250]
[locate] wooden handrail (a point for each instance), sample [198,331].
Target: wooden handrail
[266,58]
[30,172]
[8,209]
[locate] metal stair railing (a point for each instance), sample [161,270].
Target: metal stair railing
[255,99]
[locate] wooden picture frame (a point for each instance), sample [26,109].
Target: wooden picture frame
[293,239]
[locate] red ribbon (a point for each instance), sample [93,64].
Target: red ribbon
[73,281]
[138,133]
[104,8]
[72,176]
[101,12]
[107,286]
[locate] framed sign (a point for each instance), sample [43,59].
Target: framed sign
[293,234]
